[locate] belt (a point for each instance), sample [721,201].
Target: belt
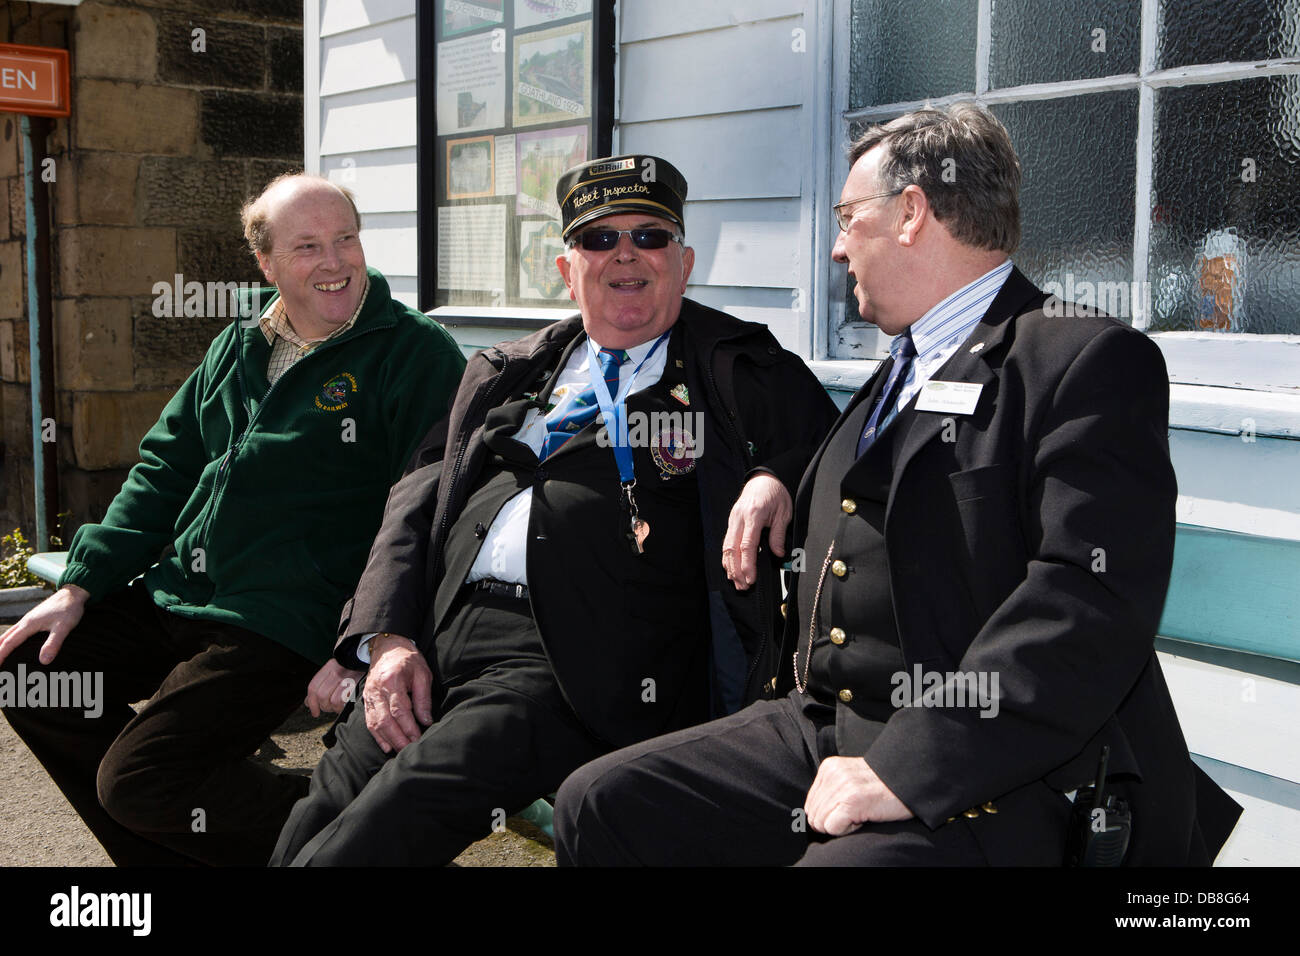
[502,589]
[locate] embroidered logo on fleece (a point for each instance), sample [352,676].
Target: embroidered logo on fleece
[335,393]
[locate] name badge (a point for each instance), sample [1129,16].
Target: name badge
[959,398]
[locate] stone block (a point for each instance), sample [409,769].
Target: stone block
[284,50]
[114,42]
[11,160]
[17,421]
[262,171]
[132,118]
[252,124]
[100,260]
[8,360]
[231,54]
[216,255]
[107,426]
[186,192]
[92,343]
[15,357]
[18,207]
[263,11]
[63,192]
[106,186]
[167,349]
[13,289]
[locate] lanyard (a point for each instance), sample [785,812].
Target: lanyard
[615,409]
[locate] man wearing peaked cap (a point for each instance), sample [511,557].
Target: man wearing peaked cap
[546,588]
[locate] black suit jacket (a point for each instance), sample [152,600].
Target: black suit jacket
[1034,539]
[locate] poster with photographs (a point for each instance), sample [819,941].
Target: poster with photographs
[471,168]
[516,99]
[461,16]
[532,13]
[543,156]
[539,244]
[471,84]
[552,75]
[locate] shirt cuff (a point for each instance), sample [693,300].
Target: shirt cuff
[363,648]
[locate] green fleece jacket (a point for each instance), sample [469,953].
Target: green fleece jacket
[254,504]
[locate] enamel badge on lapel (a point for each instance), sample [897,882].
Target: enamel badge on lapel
[674,450]
[681,393]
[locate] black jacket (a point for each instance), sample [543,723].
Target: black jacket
[1033,540]
[763,410]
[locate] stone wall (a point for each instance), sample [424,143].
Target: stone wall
[180,109]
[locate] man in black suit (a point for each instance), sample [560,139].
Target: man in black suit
[989,532]
[545,588]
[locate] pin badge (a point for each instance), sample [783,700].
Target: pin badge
[681,393]
[976,347]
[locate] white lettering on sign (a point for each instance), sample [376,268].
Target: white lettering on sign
[12,78]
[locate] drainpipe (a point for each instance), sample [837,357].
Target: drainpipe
[40,324]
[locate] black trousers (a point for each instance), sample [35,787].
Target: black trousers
[731,793]
[503,736]
[171,785]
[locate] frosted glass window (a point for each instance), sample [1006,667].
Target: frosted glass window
[1225,218]
[1078,169]
[908,51]
[1036,42]
[1212,31]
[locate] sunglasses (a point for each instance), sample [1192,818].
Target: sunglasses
[603,240]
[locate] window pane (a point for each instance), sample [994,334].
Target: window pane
[1225,226]
[1078,169]
[1212,31]
[908,51]
[1036,42]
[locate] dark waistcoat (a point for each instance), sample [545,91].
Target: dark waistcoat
[856,649]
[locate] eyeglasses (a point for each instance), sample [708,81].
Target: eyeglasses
[844,219]
[602,240]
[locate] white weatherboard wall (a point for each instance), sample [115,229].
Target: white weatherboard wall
[726,91]
[360,122]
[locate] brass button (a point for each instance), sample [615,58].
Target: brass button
[837,635]
[971,814]
[848,506]
[783,609]
[846,696]
[989,808]
[839,569]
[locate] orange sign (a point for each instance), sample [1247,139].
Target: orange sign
[34,80]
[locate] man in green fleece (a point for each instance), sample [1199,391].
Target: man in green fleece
[250,515]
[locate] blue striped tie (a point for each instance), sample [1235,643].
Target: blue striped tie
[903,355]
[561,426]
